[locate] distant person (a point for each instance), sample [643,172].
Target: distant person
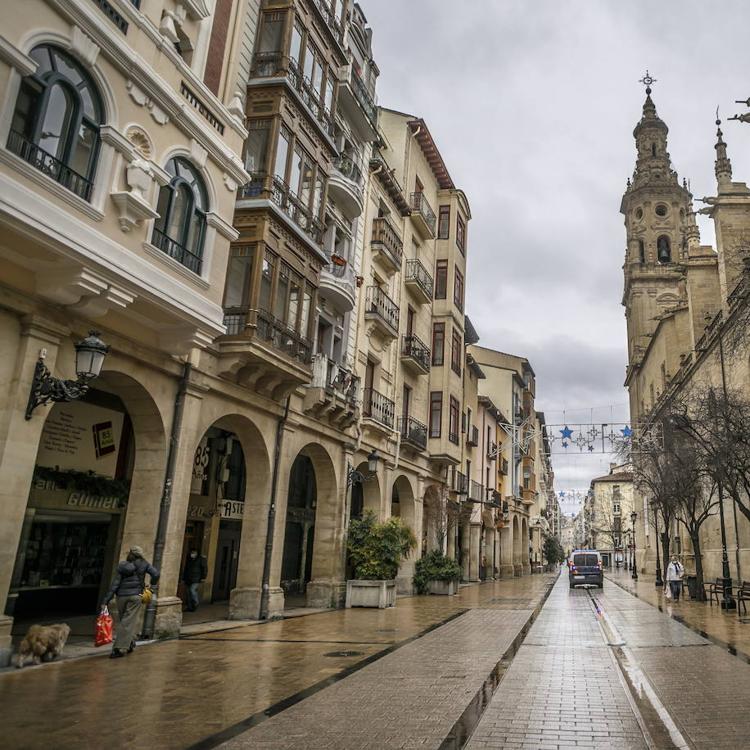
[128,586]
[196,570]
[675,571]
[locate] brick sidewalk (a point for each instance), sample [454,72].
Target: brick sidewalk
[723,628]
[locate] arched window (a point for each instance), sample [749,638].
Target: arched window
[181,227]
[55,125]
[663,249]
[641,251]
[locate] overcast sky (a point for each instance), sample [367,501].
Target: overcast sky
[532,104]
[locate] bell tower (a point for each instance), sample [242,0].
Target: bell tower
[660,227]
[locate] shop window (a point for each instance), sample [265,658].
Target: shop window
[180,229]
[56,120]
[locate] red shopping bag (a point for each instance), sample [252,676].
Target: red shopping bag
[103,629]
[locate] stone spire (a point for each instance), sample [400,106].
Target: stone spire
[722,166]
[692,232]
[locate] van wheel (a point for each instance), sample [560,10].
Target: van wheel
[572,586]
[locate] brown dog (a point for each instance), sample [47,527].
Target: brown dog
[42,643]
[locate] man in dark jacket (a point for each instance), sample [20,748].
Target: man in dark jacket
[128,585]
[196,570]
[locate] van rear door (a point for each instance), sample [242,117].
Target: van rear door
[586,563]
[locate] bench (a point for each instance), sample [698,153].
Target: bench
[714,590]
[743,595]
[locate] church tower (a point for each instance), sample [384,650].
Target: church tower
[660,227]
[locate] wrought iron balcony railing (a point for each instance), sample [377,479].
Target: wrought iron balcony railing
[460,482]
[376,406]
[380,304]
[419,203]
[472,436]
[414,348]
[49,165]
[413,432]
[335,378]
[175,250]
[476,491]
[385,236]
[348,167]
[417,273]
[363,97]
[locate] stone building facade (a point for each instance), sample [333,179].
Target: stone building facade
[681,300]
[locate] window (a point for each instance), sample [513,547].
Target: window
[460,233]
[453,420]
[256,146]
[271,32]
[458,290]
[266,281]
[444,222]
[282,152]
[438,344]
[663,249]
[181,226]
[436,413]
[239,275]
[641,251]
[55,125]
[441,279]
[406,402]
[295,50]
[468,421]
[456,352]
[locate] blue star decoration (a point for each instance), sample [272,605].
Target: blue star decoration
[565,444]
[626,432]
[566,433]
[591,449]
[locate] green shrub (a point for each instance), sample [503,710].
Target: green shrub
[434,566]
[376,549]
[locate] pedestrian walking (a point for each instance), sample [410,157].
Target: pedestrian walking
[196,570]
[675,571]
[128,586]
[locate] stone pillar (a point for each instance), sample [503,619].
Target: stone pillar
[275,592]
[169,605]
[475,541]
[496,554]
[465,551]
[506,552]
[19,439]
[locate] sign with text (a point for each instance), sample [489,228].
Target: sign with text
[82,437]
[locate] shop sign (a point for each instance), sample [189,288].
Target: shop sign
[199,511]
[93,502]
[81,437]
[200,467]
[232,509]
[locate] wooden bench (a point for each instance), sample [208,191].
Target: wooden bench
[743,595]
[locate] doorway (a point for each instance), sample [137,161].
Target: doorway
[227,558]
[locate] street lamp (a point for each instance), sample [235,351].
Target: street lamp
[354,476]
[90,353]
[634,576]
[659,582]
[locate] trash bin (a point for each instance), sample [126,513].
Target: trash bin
[692,584]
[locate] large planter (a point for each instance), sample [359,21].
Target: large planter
[379,594]
[444,588]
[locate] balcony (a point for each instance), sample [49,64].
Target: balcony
[476,491]
[460,483]
[413,433]
[275,65]
[338,284]
[333,393]
[268,187]
[263,353]
[423,216]
[492,450]
[378,408]
[504,467]
[415,355]
[345,187]
[331,22]
[472,436]
[382,311]
[358,105]
[386,243]
[418,279]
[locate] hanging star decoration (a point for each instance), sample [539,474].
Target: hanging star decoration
[626,432]
[591,449]
[567,433]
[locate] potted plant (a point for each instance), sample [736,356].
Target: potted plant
[376,550]
[437,574]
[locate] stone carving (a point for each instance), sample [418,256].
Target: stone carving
[142,99]
[134,205]
[140,139]
[85,49]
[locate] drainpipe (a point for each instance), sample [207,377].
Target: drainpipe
[265,586]
[166,496]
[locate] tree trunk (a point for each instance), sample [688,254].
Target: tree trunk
[664,550]
[695,538]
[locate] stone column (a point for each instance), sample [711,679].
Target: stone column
[475,537]
[169,605]
[465,551]
[506,552]
[19,440]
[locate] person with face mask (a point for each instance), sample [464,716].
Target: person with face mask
[675,572]
[196,570]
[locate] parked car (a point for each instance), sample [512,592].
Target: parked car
[585,567]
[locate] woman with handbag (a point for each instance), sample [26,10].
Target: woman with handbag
[675,571]
[129,586]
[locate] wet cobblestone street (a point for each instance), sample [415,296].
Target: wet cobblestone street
[588,669]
